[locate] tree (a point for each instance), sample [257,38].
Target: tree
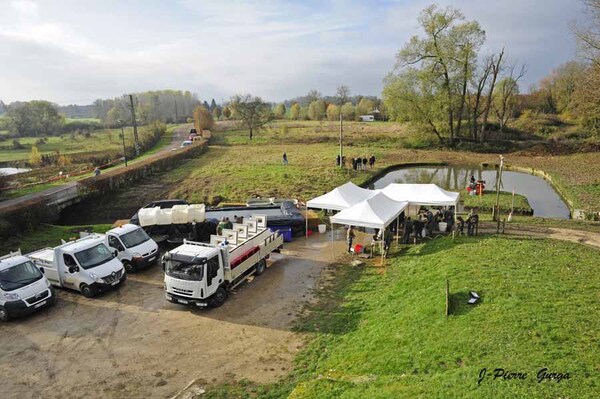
[35,118]
[342,95]
[252,111]
[495,66]
[316,110]
[333,112]
[113,117]
[213,105]
[442,62]
[313,95]
[35,157]
[365,106]
[557,88]
[280,110]
[505,97]
[588,36]
[295,111]
[203,119]
[226,112]
[348,111]
[216,112]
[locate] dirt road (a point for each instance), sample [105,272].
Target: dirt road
[133,343]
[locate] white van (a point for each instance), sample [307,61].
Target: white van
[23,288]
[85,265]
[136,249]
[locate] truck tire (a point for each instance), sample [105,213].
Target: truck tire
[87,291]
[218,298]
[4,316]
[261,266]
[128,267]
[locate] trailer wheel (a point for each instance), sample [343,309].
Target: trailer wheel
[87,291]
[4,316]
[261,267]
[218,298]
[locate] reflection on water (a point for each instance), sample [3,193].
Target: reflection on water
[540,194]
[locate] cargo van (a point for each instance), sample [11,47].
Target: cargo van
[136,250]
[23,287]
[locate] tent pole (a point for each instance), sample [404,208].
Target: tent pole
[306,221]
[397,232]
[381,245]
[332,241]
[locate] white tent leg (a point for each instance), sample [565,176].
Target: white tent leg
[397,232]
[332,243]
[381,245]
[306,221]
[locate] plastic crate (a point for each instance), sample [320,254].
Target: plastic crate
[285,231]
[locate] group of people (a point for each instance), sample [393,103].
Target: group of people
[358,163]
[225,223]
[426,223]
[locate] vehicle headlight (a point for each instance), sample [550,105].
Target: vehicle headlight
[12,296]
[137,255]
[96,278]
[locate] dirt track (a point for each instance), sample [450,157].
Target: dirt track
[133,343]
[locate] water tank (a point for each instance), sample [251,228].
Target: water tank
[196,213]
[147,216]
[179,214]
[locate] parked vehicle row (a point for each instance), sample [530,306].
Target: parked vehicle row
[200,274]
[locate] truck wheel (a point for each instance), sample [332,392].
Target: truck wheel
[4,316]
[261,267]
[87,291]
[128,267]
[218,298]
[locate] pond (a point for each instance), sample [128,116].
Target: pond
[12,171]
[541,196]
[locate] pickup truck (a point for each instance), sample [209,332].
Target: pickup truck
[23,288]
[86,265]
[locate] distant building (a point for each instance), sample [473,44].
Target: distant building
[367,118]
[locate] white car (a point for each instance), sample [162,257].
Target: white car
[186,143]
[136,249]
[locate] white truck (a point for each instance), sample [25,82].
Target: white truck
[23,288]
[136,250]
[203,274]
[86,265]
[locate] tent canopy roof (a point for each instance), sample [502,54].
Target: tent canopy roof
[341,197]
[375,212]
[420,194]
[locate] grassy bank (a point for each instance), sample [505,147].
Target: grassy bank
[383,334]
[487,201]
[47,236]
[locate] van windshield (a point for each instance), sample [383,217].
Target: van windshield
[19,276]
[184,270]
[134,238]
[94,256]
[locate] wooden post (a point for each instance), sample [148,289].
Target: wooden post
[447,298]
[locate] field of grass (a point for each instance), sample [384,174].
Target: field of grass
[47,236]
[382,333]
[236,167]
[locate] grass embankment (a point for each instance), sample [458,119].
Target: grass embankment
[47,236]
[382,333]
[487,201]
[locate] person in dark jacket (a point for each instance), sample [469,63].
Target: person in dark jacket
[372,161]
[408,229]
[364,162]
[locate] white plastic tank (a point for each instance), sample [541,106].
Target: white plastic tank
[147,216]
[442,226]
[196,213]
[163,216]
[179,214]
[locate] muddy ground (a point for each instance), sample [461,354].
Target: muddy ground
[133,343]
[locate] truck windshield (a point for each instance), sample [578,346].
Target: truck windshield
[19,276]
[184,271]
[94,256]
[135,238]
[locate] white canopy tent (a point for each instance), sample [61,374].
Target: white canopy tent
[420,195]
[341,197]
[376,212]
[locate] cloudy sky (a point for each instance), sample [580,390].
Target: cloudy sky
[74,51]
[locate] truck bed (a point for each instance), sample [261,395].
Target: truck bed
[45,255]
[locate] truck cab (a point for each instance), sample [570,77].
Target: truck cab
[136,250]
[23,288]
[194,274]
[86,265]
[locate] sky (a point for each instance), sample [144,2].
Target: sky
[75,51]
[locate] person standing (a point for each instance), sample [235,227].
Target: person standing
[350,237]
[97,171]
[285,159]
[372,161]
[364,162]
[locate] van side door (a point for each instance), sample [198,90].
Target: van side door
[69,270]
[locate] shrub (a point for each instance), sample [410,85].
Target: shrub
[17,145]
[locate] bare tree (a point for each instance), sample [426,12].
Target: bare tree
[496,67]
[252,111]
[481,81]
[343,95]
[589,35]
[508,89]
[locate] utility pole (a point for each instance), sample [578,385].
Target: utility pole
[123,137]
[341,139]
[135,132]
[496,214]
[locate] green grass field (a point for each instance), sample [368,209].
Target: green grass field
[382,332]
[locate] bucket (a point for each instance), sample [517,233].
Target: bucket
[442,226]
[322,228]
